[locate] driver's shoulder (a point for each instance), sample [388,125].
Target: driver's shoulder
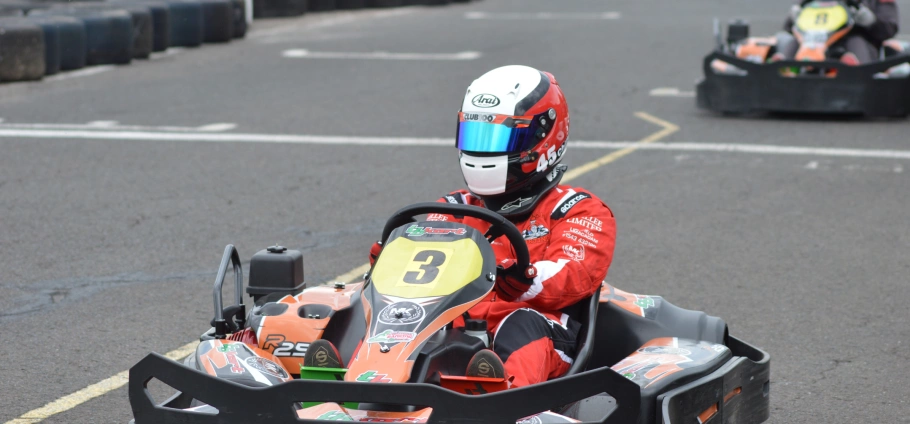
[565,201]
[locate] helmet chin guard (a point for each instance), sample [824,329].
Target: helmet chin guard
[485,175]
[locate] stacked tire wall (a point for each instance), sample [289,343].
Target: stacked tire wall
[44,37]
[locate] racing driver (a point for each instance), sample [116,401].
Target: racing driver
[512,132]
[876,21]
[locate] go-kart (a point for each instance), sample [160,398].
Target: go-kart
[744,74]
[639,359]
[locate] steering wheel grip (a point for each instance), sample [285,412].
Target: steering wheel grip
[498,223]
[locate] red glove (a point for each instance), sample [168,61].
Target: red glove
[374,252]
[512,282]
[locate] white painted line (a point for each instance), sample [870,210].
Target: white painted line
[510,16]
[306,54]
[102,124]
[221,126]
[89,126]
[80,73]
[308,22]
[7,132]
[223,137]
[670,92]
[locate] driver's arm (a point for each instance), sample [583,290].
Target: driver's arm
[886,22]
[577,258]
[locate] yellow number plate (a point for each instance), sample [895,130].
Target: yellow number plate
[427,269]
[816,17]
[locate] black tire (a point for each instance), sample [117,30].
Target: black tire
[279,8]
[239,9]
[143,30]
[108,33]
[161,28]
[186,23]
[20,7]
[21,51]
[51,42]
[429,2]
[350,4]
[386,3]
[217,21]
[71,37]
[322,5]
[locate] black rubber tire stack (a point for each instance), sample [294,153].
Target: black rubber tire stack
[279,8]
[143,30]
[21,51]
[239,10]
[161,27]
[386,3]
[71,38]
[186,23]
[108,33]
[350,4]
[217,21]
[20,7]
[322,5]
[51,41]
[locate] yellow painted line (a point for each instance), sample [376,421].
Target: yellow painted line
[104,386]
[113,383]
[352,276]
[668,128]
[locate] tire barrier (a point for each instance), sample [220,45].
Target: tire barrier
[350,4]
[386,3]
[71,40]
[186,23]
[108,33]
[322,5]
[239,17]
[217,21]
[160,21]
[21,50]
[51,41]
[161,34]
[43,37]
[143,30]
[279,8]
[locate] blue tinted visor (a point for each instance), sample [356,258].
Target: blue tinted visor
[496,133]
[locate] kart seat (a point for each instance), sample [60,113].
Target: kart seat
[586,313]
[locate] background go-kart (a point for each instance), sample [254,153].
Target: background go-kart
[110,232]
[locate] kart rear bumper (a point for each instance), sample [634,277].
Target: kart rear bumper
[855,89]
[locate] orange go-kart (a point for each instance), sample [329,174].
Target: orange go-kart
[746,74]
[640,359]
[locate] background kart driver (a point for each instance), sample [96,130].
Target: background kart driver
[512,133]
[876,21]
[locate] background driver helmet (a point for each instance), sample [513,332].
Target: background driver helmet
[512,133]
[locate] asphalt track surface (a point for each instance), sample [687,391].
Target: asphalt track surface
[108,247]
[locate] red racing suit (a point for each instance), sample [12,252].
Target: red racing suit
[570,235]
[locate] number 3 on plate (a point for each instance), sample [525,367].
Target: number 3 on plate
[428,263]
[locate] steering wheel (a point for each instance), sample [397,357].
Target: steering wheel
[499,226]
